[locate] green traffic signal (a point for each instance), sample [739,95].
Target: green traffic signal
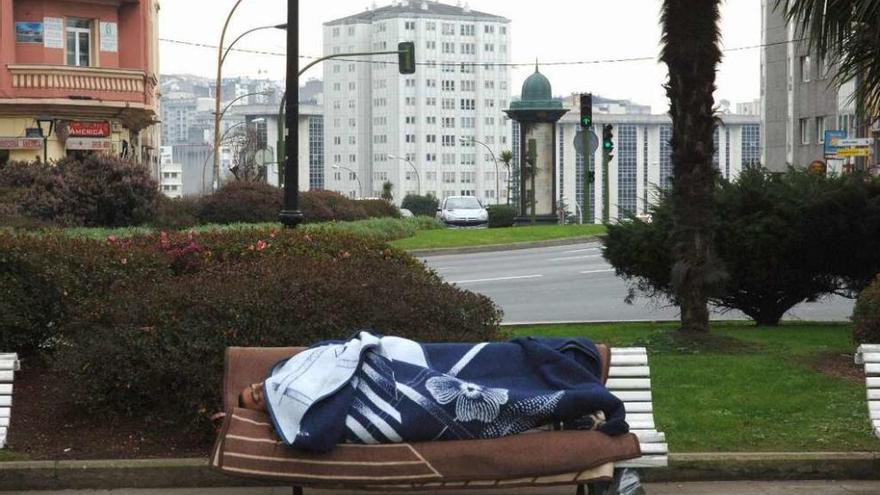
[587,121]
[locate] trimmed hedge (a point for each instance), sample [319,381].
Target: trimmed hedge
[866,315]
[501,216]
[130,322]
[242,202]
[421,205]
[378,208]
[177,214]
[329,206]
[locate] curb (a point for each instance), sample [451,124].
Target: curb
[195,473]
[491,248]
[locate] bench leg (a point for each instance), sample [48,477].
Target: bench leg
[297,490]
[580,490]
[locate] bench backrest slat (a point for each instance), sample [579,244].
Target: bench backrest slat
[869,355]
[8,366]
[629,378]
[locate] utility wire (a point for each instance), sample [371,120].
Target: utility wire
[472,63]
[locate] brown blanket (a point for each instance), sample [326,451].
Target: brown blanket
[248,446]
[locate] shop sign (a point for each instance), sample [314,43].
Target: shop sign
[28,32]
[89,144]
[21,143]
[88,129]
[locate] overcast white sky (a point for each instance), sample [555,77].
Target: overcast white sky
[551,30]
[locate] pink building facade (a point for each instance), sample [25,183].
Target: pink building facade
[86,70]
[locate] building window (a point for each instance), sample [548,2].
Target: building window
[820,130]
[79,42]
[805,68]
[805,131]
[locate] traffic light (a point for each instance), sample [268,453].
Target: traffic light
[586,110]
[608,139]
[406,57]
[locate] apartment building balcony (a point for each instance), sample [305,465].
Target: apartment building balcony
[126,94]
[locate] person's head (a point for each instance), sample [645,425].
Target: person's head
[252,397]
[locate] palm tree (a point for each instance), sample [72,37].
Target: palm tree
[691,52]
[847,31]
[506,157]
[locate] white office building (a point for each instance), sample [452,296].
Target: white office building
[170,173]
[642,159]
[434,131]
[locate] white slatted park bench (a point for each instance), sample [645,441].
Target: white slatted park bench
[629,378]
[869,355]
[8,367]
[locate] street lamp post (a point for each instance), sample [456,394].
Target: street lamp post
[218,91]
[497,175]
[360,186]
[418,178]
[47,125]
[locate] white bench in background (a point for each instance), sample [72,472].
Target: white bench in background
[869,355]
[8,366]
[630,380]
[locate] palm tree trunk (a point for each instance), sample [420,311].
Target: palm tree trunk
[690,38]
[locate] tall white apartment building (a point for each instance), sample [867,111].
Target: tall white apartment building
[445,120]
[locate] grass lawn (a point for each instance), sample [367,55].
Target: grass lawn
[9,456]
[747,388]
[450,238]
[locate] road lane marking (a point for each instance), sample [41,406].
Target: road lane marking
[501,279]
[572,258]
[588,272]
[581,250]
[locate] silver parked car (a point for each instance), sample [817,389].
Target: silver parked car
[463,211]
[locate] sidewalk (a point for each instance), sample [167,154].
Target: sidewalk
[781,468]
[720,488]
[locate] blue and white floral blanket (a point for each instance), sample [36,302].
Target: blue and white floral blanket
[375,389]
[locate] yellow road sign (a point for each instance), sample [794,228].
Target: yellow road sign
[853,152]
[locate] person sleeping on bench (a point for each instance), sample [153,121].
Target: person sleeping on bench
[373,389]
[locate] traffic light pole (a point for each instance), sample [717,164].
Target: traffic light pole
[588,208]
[606,189]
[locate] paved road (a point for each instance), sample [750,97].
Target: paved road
[574,283]
[726,488]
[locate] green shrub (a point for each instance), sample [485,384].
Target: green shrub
[242,202]
[98,191]
[866,315]
[46,278]
[779,241]
[501,216]
[177,214]
[165,338]
[378,208]
[329,206]
[421,205]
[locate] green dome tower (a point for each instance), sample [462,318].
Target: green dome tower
[537,114]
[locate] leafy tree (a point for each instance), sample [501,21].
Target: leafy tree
[782,239]
[690,50]
[387,187]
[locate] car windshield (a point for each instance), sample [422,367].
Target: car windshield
[463,204]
